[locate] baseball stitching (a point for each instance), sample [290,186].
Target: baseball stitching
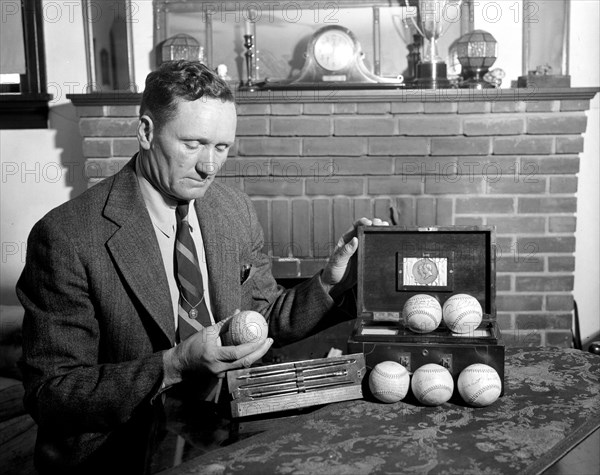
[461,299]
[432,370]
[463,316]
[389,375]
[412,314]
[433,388]
[475,396]
[387,391]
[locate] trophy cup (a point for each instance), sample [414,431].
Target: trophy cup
[433,22]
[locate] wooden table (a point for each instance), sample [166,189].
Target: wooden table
[550,413]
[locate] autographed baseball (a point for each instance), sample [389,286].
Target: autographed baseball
[479,385]
[389,381]
[432,384]
[248,326]
[462,313]
[422,313]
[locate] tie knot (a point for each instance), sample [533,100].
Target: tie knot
[182,211]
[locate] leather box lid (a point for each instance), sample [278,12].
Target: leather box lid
[397,262]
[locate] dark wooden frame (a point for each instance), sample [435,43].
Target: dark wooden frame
[28,109]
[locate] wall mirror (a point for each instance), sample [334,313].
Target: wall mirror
[109,45]
[546,37]
[282,30]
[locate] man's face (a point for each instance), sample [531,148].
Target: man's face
[183,155]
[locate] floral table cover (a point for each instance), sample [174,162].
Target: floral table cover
[551,403]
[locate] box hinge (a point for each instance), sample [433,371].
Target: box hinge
[446,362]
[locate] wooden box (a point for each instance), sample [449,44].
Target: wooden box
[295,385]
[458,259]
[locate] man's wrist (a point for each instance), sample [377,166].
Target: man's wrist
[334,290]
[326,286]
[171,368]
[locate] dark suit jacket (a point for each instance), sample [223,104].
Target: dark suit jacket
[98,313]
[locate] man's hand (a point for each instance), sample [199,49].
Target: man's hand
[340,272]
[201,353]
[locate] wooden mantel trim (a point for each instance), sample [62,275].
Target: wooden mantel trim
[329,94]
[24,111]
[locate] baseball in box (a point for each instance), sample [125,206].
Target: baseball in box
[419,289]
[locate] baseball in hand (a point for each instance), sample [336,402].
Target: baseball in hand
[422,313]
[389,381]
[462,313]
[432,384]
[479,385]
[248,326]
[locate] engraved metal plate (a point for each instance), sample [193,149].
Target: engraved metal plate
[427,272]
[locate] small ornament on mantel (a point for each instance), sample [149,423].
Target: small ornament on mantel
[495,77]
[182,46]
[477,51]
[223,72]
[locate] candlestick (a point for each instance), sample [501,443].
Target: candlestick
[249,45]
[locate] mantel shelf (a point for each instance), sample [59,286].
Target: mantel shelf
[328,94]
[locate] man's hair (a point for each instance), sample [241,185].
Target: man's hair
[174,81]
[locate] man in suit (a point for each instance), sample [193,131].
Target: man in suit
[104,304]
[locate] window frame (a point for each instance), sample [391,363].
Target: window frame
[28,108]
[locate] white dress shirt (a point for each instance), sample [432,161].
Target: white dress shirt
[162,214]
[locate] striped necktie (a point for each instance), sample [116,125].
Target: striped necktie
[192,307]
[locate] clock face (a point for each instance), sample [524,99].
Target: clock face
[334,50]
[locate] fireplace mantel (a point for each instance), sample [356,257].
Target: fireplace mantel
[330,94]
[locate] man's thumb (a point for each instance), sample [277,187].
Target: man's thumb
[350,248]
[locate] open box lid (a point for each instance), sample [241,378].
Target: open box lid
[397,262]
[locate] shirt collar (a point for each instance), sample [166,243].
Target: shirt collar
[160,208]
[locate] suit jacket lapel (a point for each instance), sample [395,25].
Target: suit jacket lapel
[222,254]
[135,249]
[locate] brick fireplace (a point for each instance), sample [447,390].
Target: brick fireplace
[313,161]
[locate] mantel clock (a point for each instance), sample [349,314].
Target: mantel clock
[334,55]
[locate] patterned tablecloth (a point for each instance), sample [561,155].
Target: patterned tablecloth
[551,403]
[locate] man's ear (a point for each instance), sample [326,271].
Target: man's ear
[145,132]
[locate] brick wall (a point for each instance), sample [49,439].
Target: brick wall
[313,166]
